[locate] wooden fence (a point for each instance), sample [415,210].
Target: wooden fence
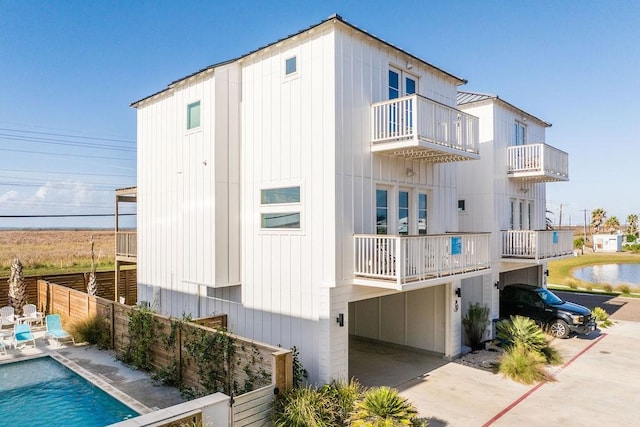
[74,306]
[127,285]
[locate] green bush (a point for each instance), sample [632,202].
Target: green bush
[305,407]
[521,331]
[382,407]
[475,323]
[577,243]
[624,288]
[344,395]
[523,365]
[602,317]
[93,330]
[631,238]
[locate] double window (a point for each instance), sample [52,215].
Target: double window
[280,208]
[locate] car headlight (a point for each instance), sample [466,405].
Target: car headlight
[576,318]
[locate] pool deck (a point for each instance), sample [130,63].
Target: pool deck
[134,388]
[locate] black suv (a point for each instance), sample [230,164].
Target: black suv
[543,306]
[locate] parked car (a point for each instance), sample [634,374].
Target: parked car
[547,309]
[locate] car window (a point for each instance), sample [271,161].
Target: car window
[549,297]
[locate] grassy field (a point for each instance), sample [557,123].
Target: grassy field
[561,272]
[55,251]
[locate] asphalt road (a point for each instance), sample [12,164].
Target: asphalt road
[619,308]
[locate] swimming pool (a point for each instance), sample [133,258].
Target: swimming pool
[42,392]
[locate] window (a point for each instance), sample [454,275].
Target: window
[280,220]
[403,212]
[422,213]
[382,211]
[280,195]
[280,208]
[290,65]
[519,134]
[193,115]
[521,215]
[512,215]
[461,206]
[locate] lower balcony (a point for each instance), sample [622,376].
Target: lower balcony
[408,262]
[537,163]
[518,245]
[127,245]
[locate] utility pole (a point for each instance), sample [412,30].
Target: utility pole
[560,221]
[584,237]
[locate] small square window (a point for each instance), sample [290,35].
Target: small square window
[461,207]
[193,115]
[291,66]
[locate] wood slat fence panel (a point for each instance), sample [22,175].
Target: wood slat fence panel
[253,408]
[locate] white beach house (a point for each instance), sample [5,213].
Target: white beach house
[309,190]
[505,193]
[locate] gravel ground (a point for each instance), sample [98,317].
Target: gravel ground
[482,359]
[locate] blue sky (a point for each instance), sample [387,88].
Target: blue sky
[70,69]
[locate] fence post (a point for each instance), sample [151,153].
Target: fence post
[283,370]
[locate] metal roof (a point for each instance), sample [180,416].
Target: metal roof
[335,18]
[465,98]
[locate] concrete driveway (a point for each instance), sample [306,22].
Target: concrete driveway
[599,384]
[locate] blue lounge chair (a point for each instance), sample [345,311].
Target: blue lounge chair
[22,334]
[54,329]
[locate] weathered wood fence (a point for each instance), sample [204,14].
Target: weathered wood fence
[127,285]
[74,306]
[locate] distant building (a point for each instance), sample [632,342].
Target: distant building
[607,242]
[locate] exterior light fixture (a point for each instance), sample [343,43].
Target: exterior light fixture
[340,320]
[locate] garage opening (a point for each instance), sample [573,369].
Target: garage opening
[397,337]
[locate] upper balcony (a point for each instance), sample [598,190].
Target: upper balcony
[536,245]
[537,163]
[415,127]
[126,241]
[410,262]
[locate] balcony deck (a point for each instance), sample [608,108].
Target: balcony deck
[535,246]
[408,262]
[537,163]
[415,127]
[127,246]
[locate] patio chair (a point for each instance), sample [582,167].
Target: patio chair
[31,315]
[22,334]
[54,329]
[7,316]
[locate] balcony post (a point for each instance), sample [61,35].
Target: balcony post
[399,261]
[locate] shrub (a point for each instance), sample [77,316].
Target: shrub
[602,317]
[93,330]
[624,288]
[523,365]
[305,407]
[631,238]
[344,396]
[521,331]
[475,323]
[577,243]
[382,406]
[588,286]
[607,287]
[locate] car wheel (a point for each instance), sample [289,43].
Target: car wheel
[559,328]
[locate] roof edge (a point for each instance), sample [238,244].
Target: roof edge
[493,97]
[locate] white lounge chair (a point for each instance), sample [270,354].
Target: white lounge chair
[54,329]
[7,316]
[31,314]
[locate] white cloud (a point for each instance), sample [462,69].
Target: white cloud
[8,196]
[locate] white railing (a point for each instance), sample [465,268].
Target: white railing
[417,117]
[126,243]
[410,258]
[537,245]
[541,158]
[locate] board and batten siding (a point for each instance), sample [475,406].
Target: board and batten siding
[188,219]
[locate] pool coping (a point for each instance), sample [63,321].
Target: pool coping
[94,379]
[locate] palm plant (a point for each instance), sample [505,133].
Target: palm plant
[17,287]
[632,224]
[383,407]
[612,224]
[520,330]
[597,218]
[92,284]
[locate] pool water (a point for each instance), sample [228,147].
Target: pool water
[42,392]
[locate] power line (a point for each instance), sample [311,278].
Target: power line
[66,173]
[65,155]
[63,142]
[64,215]
[69,135]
